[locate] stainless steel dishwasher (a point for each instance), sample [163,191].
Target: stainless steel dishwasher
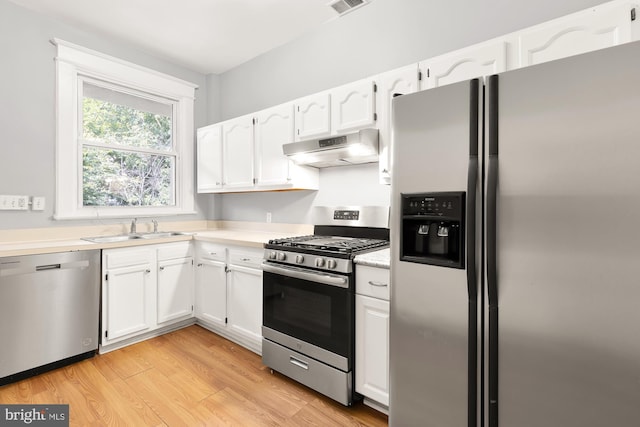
[49,310]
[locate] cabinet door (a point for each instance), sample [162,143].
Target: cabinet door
[209,162]
[237,150]
[244,299]
[175,289]
[464,64]
[353,107]
[126,297]
[273,129]
[596,28]
[211,291]
[313,116]
[372,348]
[394,83]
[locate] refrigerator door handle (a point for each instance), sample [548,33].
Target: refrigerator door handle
[471,230]
[491,241]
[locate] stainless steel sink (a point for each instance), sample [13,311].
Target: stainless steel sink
[111,239]
[134,236]
[159,234]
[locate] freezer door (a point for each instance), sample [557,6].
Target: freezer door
[568,258]
[433,357]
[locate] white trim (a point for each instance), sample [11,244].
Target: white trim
[74,62]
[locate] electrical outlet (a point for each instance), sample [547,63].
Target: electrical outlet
[268,216]
[37,203]
[14,203]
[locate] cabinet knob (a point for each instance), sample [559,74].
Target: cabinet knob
[161,268]
[147,271]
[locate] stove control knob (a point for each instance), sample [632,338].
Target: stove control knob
[331,264]
[299,259]
[282,256]
[319,262]
[272,255]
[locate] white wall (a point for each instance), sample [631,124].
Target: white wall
[27,109]
[341,186]
[383,35]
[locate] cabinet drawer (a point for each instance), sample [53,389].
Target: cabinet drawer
[373,281]
[117,258]
[175,250]
[211,251]
[246,257]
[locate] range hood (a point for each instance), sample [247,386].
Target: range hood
[349,149]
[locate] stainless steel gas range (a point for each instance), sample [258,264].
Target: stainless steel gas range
[309,298]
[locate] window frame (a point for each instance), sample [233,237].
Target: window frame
[73,63]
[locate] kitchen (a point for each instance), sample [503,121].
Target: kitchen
[302,70]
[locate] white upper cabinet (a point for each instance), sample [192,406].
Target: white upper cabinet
[209,158]
[394,83]
[245,154]
[353,107]
[475,61]
[273,128]
[237,152]
[603,26]
[313,116]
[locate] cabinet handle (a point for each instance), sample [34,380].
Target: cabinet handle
[378,284]
[218,183]
[213,253]
[200,265]
[162,268]
[147,271]
[245,259]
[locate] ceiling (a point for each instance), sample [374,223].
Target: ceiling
[208,36]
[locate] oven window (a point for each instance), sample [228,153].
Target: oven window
[319,314]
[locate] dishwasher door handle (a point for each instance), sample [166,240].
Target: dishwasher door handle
[48,267]
[17,269]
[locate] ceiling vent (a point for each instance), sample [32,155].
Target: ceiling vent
[346,6]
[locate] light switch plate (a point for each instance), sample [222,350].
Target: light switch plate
[37,203]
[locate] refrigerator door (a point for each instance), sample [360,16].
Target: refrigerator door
[568,253]
[433,358]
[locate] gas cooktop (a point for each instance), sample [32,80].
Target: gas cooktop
[327,244]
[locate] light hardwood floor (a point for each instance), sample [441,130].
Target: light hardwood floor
[188,377]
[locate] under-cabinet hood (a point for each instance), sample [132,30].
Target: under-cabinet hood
[353,148]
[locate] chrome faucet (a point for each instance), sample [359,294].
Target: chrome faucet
[133,225]
[155,225]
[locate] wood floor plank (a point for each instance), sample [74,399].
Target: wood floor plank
[190,377]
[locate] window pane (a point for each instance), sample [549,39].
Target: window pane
[113,117]
[121,178]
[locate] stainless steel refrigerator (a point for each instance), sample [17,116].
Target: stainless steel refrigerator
[515,248]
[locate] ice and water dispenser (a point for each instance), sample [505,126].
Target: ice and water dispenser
[433,228]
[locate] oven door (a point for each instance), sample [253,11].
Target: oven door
[311,312]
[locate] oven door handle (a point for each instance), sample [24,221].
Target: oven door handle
[325,279]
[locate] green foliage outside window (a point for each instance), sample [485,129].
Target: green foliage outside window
[124,160]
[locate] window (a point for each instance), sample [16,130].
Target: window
[124,143]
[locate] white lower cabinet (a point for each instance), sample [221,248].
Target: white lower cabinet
[127,293]
[144,289]
[211,291]
[245,301]
[175,289]
[229,292]
[372,335]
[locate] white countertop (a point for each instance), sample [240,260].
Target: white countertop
[249,234]
[380,259]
